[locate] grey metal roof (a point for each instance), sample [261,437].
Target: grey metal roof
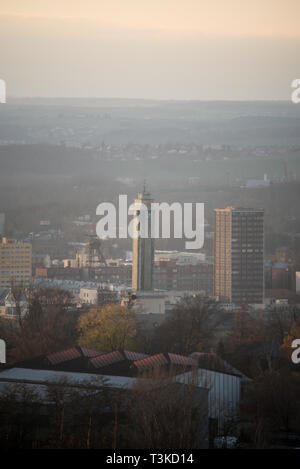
[3,293]
[44,377]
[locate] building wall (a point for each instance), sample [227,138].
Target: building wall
[169,275]
[105,274]
[11,311]
[283,276]
[298,282]
[143,251]
[224,394]
[239,255]
[114,274]
[180,257]
[222,251]
[150,304]
[89,295]
[15,262]
[247,256]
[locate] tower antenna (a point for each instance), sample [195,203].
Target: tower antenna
[144,186]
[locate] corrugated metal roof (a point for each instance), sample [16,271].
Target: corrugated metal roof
[107,359]
[151,362]
[25,375]
[64,356]
[181,360]
[132,356]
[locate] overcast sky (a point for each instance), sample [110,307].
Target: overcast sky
[162,49]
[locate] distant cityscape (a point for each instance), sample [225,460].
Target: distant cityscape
[233,268]
[141,329]
[150,229]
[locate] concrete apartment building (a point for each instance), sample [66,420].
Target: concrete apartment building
[239,255]
[15,262]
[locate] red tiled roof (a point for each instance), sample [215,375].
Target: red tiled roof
[141,362]
[107,359]
[150,362]
[162,359]
[87,352]
[64,356]
[181,360]
[132,356]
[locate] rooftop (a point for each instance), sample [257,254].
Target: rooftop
[124,363]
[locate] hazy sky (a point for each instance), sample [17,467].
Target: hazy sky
[166,49]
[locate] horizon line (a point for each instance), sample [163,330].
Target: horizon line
[150,99]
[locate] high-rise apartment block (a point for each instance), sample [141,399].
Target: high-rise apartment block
[15,262]
[239,255]
[143,249]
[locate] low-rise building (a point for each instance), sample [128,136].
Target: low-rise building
[280,275]
[218,383]
[170,275]
[10,307]
[88,296]
[147,302]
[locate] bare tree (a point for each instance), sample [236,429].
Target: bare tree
[191,326]
[47,326]
[164,413]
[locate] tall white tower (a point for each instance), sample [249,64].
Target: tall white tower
[143,248]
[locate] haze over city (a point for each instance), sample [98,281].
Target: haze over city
[170,49]
[150,227]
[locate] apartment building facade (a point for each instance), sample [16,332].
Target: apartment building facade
[239,255]
[15,262]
